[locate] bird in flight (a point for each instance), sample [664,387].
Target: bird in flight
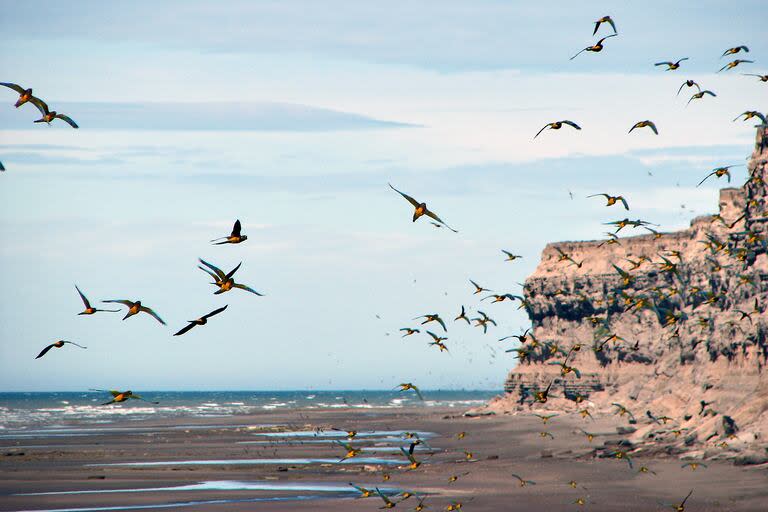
[351,451]
[763,78]
[671,66]
[484,320]
[749,114]
[510,256]
[478,288]
[225,282]
[432,318]
[134,308]
[90,310]
[413,463]
[680,507]
[700,95]
[421,209]
[597,47]
[234,238]
[409,331]
[25,95]
[643,124]
[200,321]
[719,173]
[462,316]
[734,63]
[605,19]
[523,482]
[405,386]
[50,115]
[621,411]
[735,49]
[388,503]
[438,341]
[612,200]
[57,344]
[557,125]
[122,396]
[688,83]
[364,493]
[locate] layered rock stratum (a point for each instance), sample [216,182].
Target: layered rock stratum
[682,333]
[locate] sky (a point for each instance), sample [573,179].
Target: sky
[293,116]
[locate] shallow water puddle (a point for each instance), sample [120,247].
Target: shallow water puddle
[227,485]
[397,434]
[185,504]
[296,462]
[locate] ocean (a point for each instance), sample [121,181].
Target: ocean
[20,410]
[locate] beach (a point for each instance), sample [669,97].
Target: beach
[288,460]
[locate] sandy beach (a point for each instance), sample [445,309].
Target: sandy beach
[224,464]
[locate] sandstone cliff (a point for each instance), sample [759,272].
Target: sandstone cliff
[685,338]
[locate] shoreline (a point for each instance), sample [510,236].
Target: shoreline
[501,445]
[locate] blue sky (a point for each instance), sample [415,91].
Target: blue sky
[293,116]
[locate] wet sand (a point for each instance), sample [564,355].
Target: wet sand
[500,446]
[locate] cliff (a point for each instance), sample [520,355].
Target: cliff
[685,337]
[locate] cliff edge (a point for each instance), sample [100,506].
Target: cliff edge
[670,323]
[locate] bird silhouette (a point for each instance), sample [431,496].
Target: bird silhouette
[605,19]
[643,124]
[671,66]
[597,47]
[200,321]
[57,344]
[421,209]
[134,308]
[556,126]
[234,238]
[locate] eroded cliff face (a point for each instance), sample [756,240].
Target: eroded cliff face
[685,338]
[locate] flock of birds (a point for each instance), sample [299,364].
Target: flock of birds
[225,282]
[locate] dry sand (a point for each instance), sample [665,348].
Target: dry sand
[502,445]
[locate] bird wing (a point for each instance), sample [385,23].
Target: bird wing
[440,321]
[83,298]
[545,126]
[216,312]
[431,214]
[597,26]
[186,329]
[705,178]
[150,312]
[624,202]
[45,351]
[603,39]
[236,228]
[123,302]
[408,198]
[40,104]
[613,25]
[597,195]
[665,63]
[418,393]
[652,125]
[19,89]
[214,268]
[708,92]
[580,52]
[232,272]
[73,343]
[68,120]
[248,289]
[571,123]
